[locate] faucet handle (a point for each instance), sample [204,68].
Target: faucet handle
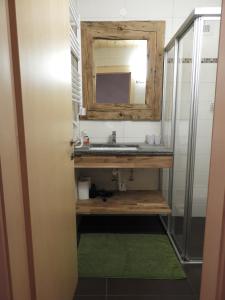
[113,137]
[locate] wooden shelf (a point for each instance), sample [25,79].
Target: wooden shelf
[126,162]
[126,203]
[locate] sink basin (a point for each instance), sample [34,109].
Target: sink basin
[113,147]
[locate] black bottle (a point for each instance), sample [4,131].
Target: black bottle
[93,191]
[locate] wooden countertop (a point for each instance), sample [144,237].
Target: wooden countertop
[126,203]
[123,161]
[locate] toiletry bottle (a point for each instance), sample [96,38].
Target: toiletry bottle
[86,140]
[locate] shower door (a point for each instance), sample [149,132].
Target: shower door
[202,135]
[181,145]
[187,119]
[168,119]
[195,92]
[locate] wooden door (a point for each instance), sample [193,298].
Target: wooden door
[213,272]
[40,65]
[14,265]
[5,282]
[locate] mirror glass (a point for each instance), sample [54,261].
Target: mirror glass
[120,71]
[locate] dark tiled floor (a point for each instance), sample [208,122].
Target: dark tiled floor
[92,286]
[135,289]
[195,248]
[121,224]
[138,289]
[194,276]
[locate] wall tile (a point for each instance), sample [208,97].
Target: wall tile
[103,140]
[182,128]
[204,128]
[127,131]
[100,129]
[180,162]
[134,140]
[174,13]
[210,46]
[201,177]
[202,162]
[203,145]
[208,72]
[140,129]
[179,179]
[207,91]
[198,210]
[204,110]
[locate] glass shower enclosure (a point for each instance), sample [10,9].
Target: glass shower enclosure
[188,100]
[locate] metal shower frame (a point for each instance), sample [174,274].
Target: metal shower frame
[195,19]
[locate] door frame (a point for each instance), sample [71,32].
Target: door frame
[5,276]
[213,272]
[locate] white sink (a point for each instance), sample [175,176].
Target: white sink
[93,148]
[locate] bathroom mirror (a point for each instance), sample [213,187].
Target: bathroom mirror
[122,69]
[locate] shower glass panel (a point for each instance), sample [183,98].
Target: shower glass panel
[187,118]
[167,118]
[183,116]
[204,119]
[167,115]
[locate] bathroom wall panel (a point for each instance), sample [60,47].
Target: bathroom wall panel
[126,131]
[173,12]
[205,116]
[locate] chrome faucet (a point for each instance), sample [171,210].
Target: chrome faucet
[113,137]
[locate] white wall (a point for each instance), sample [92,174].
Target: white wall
[173,12]
[205,119]
[204,123]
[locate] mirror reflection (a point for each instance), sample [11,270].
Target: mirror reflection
[120,71]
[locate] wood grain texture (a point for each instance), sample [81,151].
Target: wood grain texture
[144,162]
[5,274]
[126,203]
[45,68]
[213,275]
[12,194]
[153,32]
[121,114]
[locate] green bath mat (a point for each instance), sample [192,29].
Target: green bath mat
[148,256]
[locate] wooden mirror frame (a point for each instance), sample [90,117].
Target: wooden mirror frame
[153,32]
